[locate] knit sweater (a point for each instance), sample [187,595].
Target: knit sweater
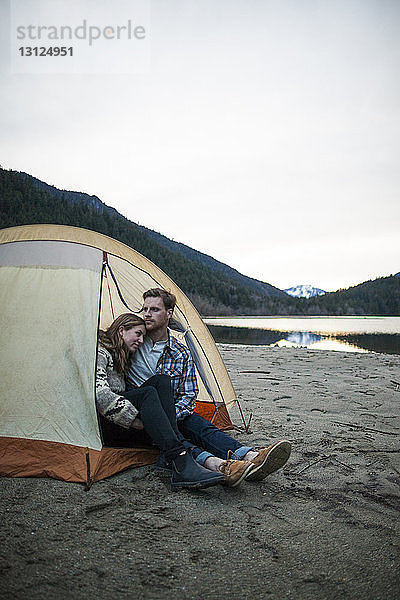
[109,386]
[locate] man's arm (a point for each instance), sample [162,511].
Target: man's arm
[186,388]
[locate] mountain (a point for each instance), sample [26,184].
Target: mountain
[71,197]
[208,261]
[214,287]
[304,291]
[254,284]
[380,296]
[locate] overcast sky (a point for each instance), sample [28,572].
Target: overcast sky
[264,133]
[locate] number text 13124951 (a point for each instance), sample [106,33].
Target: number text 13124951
[43,51]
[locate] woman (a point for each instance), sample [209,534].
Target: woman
[150,407]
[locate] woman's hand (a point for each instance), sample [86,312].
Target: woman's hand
[137,424]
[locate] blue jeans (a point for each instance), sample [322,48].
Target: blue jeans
[156,407]
[215,442]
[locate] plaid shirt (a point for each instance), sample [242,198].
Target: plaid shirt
[177,362]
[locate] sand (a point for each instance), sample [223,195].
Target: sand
[324,527]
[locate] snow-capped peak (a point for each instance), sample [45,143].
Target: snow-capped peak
[304,291]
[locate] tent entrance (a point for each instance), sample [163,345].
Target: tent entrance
[123,285]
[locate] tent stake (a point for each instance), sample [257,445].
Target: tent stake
[88,478]
[246,426]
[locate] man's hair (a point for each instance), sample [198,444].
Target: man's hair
[168,298]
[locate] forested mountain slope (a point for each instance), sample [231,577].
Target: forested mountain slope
[219,290]
[378,297]
[214,287]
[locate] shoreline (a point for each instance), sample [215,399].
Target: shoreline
[388,324]
[324,527]
[383,343]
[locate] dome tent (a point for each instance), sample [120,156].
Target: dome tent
[58,286]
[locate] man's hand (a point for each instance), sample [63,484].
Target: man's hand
[137,424]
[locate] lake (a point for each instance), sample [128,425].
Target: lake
[350,334]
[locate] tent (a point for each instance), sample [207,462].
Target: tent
[58,285]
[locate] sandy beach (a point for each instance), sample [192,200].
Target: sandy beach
[324,527]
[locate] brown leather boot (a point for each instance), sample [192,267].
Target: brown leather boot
[269,460]
[234,471]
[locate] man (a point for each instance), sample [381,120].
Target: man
[161,353]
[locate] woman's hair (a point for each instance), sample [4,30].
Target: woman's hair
[113,342]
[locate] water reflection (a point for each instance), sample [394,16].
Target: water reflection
[303,338]
[242,335]
[318,344]
[389,344]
